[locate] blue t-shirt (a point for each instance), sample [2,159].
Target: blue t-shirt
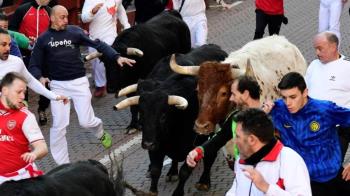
[60,51]
[313,134]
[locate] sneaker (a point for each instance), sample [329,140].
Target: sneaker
[106,140]
[100,91]
[42,118]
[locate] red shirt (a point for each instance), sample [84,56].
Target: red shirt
[271,7]
[17,129]
[29,23]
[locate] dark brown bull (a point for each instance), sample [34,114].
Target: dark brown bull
[214,91]
[214,98]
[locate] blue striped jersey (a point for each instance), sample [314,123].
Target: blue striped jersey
[312,133]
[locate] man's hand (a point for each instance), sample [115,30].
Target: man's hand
[122,60]
[96,8]
[190,160]
[267,106]
[194,156]
[346,173]
[256,177]
[43,81]
[63,98]
[29,157]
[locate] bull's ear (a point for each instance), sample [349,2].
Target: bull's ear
[249,70]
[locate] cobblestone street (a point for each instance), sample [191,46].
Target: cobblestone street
[230,29]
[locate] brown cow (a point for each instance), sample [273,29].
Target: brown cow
[266,60]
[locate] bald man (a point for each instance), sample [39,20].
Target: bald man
[327,79]
[58,49]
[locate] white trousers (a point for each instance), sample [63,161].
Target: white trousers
[98,70]
[79,92]
[329,16]
[198,28]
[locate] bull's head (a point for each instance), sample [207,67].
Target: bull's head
[214,91]
[153,109]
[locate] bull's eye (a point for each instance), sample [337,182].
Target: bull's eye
[224,94]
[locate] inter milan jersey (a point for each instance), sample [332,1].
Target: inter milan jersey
[313,134]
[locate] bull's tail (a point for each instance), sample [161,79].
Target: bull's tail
[116,174]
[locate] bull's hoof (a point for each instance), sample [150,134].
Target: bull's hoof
[202,187]
[172,178]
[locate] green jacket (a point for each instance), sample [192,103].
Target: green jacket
[21,39]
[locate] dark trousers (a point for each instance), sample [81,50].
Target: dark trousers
[26,59]
[273,22]
[335,187]
[344,138]
[43,101]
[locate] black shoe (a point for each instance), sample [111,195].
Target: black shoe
[42,118]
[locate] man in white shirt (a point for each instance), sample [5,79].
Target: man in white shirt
[10,63]
[102,16]
[327,79]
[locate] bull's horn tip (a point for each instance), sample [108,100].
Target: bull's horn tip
[115,108]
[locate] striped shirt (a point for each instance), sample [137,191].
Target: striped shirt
[312,133]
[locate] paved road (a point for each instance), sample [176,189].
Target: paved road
[230,29]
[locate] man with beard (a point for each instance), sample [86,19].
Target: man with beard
[57,50]
[245,94]
[18,131]
[10,63]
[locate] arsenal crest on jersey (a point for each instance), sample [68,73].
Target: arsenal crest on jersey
[11,124]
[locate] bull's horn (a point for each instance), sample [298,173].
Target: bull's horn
[186,70]
[127,90]
[127,102]
[249,70]
[134,52]
[178,101]
[92,56]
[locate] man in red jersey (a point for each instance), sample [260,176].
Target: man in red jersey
[18,131]
[269,13]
